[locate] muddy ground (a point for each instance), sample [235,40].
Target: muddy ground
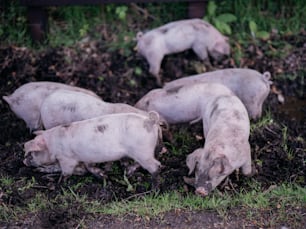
[112,76]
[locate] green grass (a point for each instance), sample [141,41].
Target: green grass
[156,204]
[265,120]
[71,24]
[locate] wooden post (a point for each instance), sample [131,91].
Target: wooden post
[196,9]
[38,23]
[38,17]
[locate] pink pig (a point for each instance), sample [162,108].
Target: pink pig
[26,100]
[178,36]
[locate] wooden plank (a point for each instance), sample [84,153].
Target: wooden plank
[92,2]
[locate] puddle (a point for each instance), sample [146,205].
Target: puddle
[294,108]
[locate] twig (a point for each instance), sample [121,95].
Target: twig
[145,12]
[137,195]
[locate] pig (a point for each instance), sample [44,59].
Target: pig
[65,106]
[251,87]
[181,104]
[226,128]
[178,36]
[101,139]
[26,100]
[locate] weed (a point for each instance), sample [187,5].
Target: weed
[262,122]
[222,21]
[6,181]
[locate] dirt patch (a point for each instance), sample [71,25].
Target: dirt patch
[278,149]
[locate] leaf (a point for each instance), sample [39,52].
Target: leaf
[263,35]
[223,27]
[211,8]
[253,27]
[138,71]
[227,18]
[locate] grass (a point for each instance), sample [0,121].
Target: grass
[71,24]
[265,120]
[256,199]
[154,205]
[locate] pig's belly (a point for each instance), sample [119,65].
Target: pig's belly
[174,116]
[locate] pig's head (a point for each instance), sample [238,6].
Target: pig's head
[145,103]
[220,49]
[209,172]
[37,153]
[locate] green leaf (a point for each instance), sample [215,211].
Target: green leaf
[227,18]
[138,71]
[263,35]
[253,27]
[223,27]
[211,8]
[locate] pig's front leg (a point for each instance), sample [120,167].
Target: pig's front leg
[200,50]
[53,168]
[155,60]
[68,166]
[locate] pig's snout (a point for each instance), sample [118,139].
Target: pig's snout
[204,190]
[28,160]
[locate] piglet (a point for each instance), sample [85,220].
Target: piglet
[178,36]
[251,87]
[65,106]
[226,129]
[181,104]
[101,139]
[26,100]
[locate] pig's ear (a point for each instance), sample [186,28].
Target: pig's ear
[38,144]
[220,166]
[192,160]
[38,132]
[6,99]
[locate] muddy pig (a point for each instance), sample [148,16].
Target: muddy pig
[181,104]
[226,128]
[174,37]
[101,139]
[26,100]
[251,87]
[64,107]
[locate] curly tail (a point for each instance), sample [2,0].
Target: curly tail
[267,77]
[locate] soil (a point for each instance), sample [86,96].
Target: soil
[112,75]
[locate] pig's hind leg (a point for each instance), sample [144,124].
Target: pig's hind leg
[68,166]
[152,165]
[247,169]
[97,172]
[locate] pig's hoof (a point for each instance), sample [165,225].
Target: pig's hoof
[201,191]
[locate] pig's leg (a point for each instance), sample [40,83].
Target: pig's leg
[155,60]
[151,164]
[200,50]
[247,166]
[68,165]
[247,169]
[53,168]
[97,172]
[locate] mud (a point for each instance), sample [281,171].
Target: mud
[278,148]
